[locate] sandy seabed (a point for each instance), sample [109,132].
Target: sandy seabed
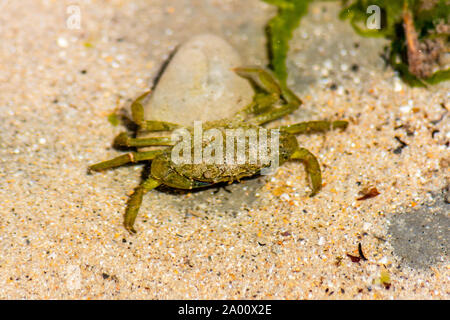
[61,233]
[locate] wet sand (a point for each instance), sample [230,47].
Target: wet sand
[61,233]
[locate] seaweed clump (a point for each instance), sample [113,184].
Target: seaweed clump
[418,31]
[279,31]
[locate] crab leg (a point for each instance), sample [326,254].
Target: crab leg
[264,80]
[124,159]
[274,114]
[153,125]
[262,102]
[137,112]
[135,201]
[123,140]
[293,102]
[314,126]
[261,78]
[312,168]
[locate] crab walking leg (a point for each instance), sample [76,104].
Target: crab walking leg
[124,159]
[262,102]
[293,103]
[137,110]
[314,126]
[154,125]
[134,202]
[261,78]
[123,140]
[312,168]
[137,113]
[266,81]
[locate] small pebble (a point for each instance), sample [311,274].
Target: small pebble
[62,42]
[366,226]
[405,109]
[321,241]
[285,197]
[397,85]
[328,64]
[383,260]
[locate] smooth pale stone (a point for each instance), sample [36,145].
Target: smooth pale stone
[199,84]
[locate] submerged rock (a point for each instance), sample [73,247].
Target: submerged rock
[199,84]
[421,237]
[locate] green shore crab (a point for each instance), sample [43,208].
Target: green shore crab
[272,101]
